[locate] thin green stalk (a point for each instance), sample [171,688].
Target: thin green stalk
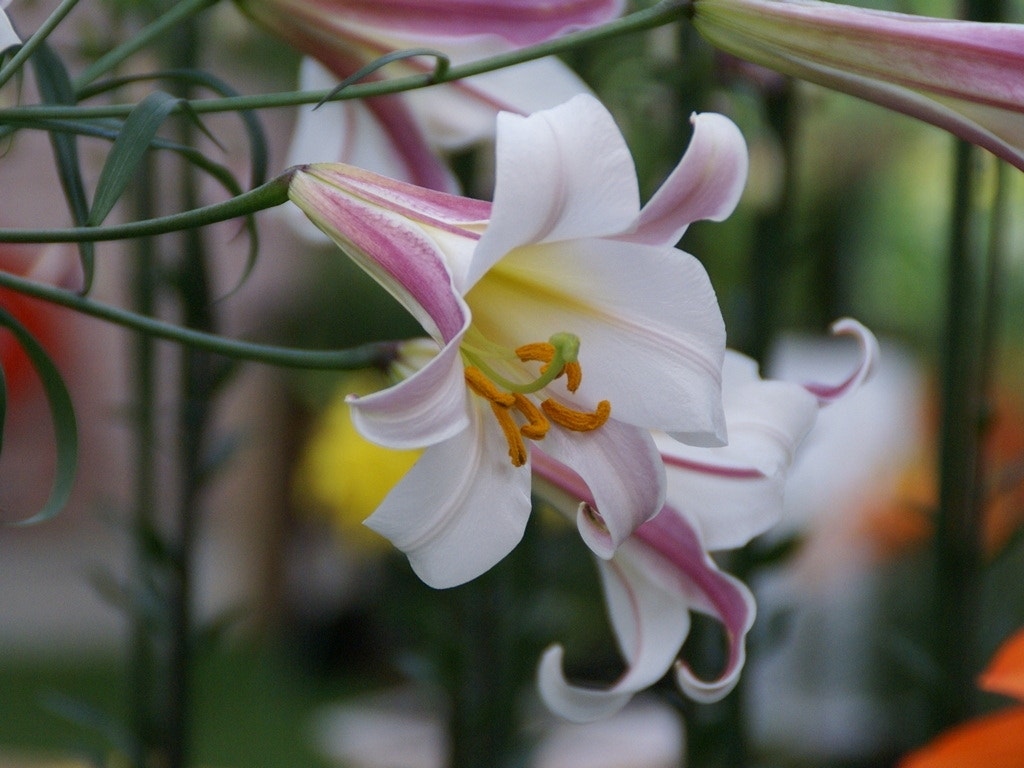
[663,13]
[38,38]
[142,661]
[957,525]
[144,37]
[286,357]
[197,389]
[269,195]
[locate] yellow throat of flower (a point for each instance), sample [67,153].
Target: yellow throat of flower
[516,414]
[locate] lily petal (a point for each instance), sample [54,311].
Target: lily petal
[427,408]
[660,621]
[651,584]
[522,23]
[961,76]
[735,492]
[706,184]
[652,338]
[870,354]
[621,480]
[460,509]
[387,245]
[561,173]
[348,132]
[463,112]
[709,591]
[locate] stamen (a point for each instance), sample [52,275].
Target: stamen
[573,376]
[577,421]
[516,446]
[537,426]
[484,387]
[540,351]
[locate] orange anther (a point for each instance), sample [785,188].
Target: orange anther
[541,351]
[573,376]
[484,387]
[516,446]
[537,426]
[577,421]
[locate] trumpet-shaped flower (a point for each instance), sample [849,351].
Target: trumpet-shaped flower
[398,135]
[561,315]
[8,37]
[718,498]
[962,76]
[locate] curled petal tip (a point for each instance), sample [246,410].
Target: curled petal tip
[574,703]
[869,355]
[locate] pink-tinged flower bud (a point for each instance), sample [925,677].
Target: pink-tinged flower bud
[965,77]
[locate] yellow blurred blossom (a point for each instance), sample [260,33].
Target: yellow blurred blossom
[344,477]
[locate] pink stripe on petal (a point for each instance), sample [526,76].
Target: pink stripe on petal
[718,470]
[521,22]
[718,594]
[829,393]
[423,166]
[706,184]
[395,253]
[447,212]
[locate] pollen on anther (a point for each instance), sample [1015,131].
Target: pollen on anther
[577,421]
[537,426]
[539,351]
[573,376]
[484,387]
[516,446]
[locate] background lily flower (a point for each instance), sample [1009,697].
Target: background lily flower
[561,314]
[990,740]
[8,37]
[961,76]
[718,498]
[398,135]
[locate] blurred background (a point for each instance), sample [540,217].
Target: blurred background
[318,646]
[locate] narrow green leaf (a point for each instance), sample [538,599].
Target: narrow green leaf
[130,146]
[55,88]
[61,411]
[259,154]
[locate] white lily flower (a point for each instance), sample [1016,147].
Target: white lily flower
[718,498]
[563,276]
[399,135]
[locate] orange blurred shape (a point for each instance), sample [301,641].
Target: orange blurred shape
[990,741]
[41,319]
[1005,673]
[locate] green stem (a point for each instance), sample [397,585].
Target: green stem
[957,525]
[146,36]
[142,656]
[269,195]
[38,38]
[663,13]
[198,387]
[287,357]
